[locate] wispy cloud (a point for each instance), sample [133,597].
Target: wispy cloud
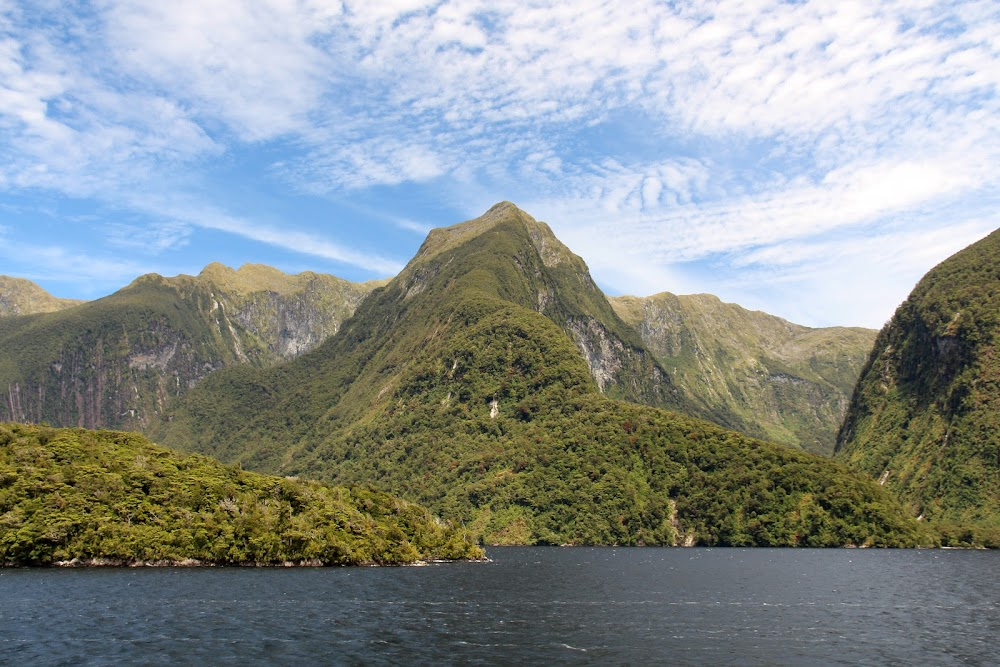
[151,239]
[300,242]
[176,214]
[56,263]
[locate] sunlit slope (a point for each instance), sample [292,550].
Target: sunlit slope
[23,297]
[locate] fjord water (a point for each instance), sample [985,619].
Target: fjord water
[530,605]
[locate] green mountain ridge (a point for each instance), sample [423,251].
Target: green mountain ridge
[70,496]
[750,371]
[114,362]
[472,383]
[924,417]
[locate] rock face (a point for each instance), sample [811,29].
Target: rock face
[289,314]
[925,416]
[751,371]
[23,297]
[114,362]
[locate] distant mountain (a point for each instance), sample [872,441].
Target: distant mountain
[113,362]
[472,383]
[750,371]
[104,497]
[23,297]
[925,416]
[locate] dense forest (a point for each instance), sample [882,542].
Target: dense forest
[107,497]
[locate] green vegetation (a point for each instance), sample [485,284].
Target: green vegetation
[925,417]
[751,371]
[559,463]
[117,361]
[461,385]
[113,497]
[114,362]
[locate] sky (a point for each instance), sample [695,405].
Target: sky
[809,159]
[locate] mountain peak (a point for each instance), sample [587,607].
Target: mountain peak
[248,278]
[444,239]
[23,297]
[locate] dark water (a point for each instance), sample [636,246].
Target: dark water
[529,606]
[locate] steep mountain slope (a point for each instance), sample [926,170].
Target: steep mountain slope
[113,498]
[547,277]
[751,371]
[468,383]
[114,361]
[925,417]
[289,314]
[23,297]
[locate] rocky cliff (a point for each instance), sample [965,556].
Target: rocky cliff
[751,371]
[114,362]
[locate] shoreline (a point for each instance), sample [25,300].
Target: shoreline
[81,563]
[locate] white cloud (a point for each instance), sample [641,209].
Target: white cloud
[368,162]
[412,226]
[63,128]
[251,65]
[613,202]
[864,276]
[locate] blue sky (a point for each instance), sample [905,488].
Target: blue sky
[809,159]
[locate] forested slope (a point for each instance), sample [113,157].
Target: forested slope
[925,417]
[106,497]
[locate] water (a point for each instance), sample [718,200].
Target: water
[529,606]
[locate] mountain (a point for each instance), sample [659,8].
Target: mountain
[112,498]
[925,416]
[23,297]
[533,269]
[472,383]
[750,371]
[113,362]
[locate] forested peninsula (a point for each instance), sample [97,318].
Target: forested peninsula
[73,496]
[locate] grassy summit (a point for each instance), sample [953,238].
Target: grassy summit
[472,383]
[23,297]
[925,417]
